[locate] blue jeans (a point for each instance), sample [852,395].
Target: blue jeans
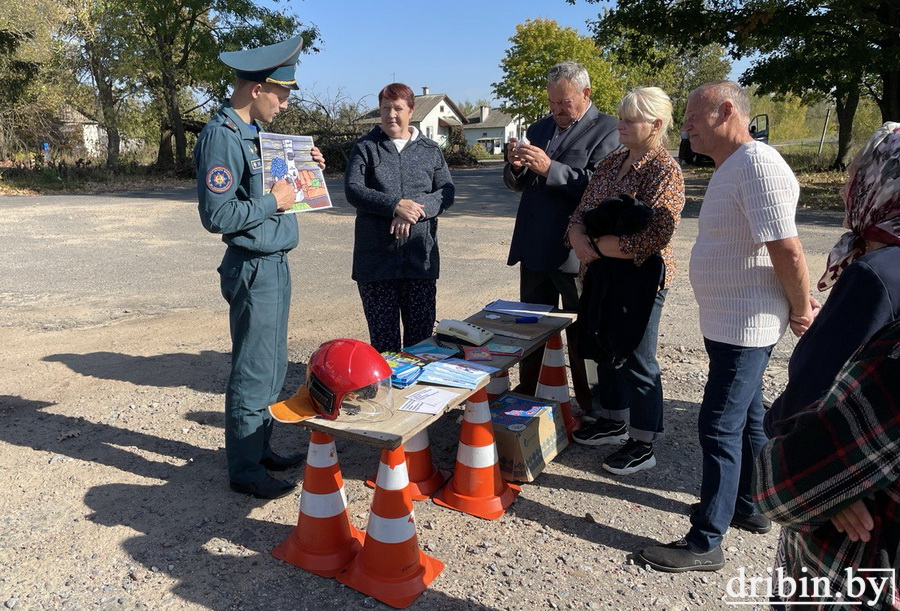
[634,391]
[731,436]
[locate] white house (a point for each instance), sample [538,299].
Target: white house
[434,116]
[86,137]
[491,128]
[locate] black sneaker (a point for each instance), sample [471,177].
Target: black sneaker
[678,557]
[602,432]
[634,456]
[757,523]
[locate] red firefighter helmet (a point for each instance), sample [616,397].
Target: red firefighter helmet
[351,374]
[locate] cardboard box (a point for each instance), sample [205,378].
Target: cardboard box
[529,433]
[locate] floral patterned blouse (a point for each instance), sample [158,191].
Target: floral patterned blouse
[656,180]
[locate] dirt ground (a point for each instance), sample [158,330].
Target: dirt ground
[116,354]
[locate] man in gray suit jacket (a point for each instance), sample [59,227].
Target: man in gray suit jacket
[551,170]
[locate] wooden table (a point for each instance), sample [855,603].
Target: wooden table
[401,426]
[391,523]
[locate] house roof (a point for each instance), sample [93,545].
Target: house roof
[495,118]
[70,114]
[424,105]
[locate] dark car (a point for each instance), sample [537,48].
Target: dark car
[759,129]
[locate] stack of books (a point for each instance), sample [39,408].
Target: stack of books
[456,372]
[405,368]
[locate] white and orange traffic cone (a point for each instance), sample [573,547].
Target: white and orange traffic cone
[553,383]
[476,486]
[498,384]
[424,476]
[324,540]
[391,567]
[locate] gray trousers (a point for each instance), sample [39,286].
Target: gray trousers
[549,288]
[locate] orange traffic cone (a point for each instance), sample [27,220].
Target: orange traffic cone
[391,567]
[553,383]
[498,385]
[324,540]
[424,476]
[476,486]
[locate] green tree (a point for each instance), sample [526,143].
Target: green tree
[29,78]
[101,55]
[536,46]
[467,107]
[836,48]
[787,114]
[17,73]
[638,60]
[177,44]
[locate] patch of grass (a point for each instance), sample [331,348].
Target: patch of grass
[819,190]
[819,184]
[83,178]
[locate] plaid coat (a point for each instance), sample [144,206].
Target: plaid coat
[841,449]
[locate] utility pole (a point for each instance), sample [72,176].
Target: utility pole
[824,129]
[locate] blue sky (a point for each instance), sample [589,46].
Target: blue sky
[451,47]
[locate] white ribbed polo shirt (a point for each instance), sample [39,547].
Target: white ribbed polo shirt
[751,199]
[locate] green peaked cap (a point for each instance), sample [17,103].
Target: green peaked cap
[270,64]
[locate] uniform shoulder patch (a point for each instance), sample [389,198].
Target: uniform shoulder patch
[219,179]
[230,124]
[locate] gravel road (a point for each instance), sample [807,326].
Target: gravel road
[115,358]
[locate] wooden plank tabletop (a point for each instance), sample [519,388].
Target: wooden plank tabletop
[401,426]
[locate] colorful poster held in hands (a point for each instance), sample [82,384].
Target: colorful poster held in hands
[285,156]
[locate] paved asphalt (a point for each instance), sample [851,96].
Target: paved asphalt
[147,252]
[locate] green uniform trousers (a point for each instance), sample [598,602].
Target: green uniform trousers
[258,291]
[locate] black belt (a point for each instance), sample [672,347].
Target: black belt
[253,254]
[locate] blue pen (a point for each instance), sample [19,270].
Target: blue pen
[526,319]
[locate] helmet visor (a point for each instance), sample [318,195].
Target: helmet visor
[371,403]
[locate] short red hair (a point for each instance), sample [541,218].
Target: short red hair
[397,91]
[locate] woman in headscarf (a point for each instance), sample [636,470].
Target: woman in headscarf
[863,273]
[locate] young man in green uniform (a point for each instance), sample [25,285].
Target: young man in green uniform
[254,274]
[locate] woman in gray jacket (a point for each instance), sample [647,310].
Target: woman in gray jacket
[399,183]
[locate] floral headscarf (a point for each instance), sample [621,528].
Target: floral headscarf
[872,201]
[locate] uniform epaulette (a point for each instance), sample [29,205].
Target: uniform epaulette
[229,123]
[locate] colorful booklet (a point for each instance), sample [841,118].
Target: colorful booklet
[456,372]
[405,369]
[477,353]
[290,157]
[430,352]
[504,349]
[511,409]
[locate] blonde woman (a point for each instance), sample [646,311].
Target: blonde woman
[631,392]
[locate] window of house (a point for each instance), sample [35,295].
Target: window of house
[484,133]
[429,132]
[442,108]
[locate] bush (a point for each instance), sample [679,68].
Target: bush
[79,176]
[460,158]
[479,152]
